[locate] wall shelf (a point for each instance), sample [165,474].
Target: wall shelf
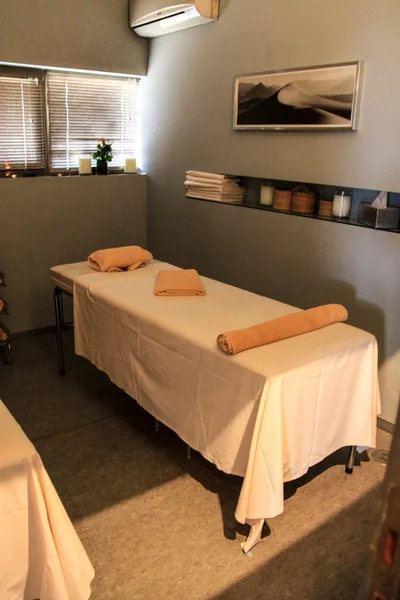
[253,185]
[349,221]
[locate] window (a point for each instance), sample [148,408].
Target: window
[84,108]
[21,120]
[71,112]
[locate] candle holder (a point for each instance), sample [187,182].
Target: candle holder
[267,194]
[85,166]
[130,165]
[341,206]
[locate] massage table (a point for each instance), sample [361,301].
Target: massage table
[41,555]
[267,414]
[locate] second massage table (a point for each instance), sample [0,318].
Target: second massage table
[267,414]
[41,555]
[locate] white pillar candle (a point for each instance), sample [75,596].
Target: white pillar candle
[341,206]
[85,166]
[267,195]
[130,165]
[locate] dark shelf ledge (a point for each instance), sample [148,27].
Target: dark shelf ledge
[349,221]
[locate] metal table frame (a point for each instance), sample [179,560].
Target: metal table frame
[8,359]
[61,325]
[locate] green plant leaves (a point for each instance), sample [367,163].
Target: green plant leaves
[103,152]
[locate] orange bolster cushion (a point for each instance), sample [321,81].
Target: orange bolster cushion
[284,327]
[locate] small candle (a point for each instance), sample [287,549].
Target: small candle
[13,176]
[85,166]
[130,165]
[267,194]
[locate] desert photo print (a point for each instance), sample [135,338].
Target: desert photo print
[312,98]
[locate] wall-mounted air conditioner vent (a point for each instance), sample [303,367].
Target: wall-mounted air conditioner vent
[151,18]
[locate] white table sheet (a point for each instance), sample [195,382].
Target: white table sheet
[41,555]
[267,414]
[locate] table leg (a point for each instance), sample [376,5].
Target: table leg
[58,309]
[351,460]
[8,359]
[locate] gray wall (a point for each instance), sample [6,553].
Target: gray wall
[188,124]
[47,221]
[50,221]
[76,34]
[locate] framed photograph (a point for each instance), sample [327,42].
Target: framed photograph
[313,98]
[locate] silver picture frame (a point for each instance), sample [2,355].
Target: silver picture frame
[322,97]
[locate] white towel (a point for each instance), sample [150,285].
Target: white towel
[220,194]
[215,198]
[227,180]
[216,192]
[213,186]
[205,175]
[200,184]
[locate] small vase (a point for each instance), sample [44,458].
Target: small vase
[102,167]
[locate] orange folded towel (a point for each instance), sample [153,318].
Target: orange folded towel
[119,259]
[297,323]
[185,282]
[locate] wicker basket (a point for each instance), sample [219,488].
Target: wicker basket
[325,208]
[303,202]
[282,199]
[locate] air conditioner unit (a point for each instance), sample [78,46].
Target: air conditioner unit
[151,18]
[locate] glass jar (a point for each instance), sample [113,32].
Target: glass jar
[341,206]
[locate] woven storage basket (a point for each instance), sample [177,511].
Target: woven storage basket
[325,208]
[282,199]
[303,202]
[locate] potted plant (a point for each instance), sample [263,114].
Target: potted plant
[103,156]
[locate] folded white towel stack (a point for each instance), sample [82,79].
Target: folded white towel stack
[212,186]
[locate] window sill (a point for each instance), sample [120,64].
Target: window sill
[66,175]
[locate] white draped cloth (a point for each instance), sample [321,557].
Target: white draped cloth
[267,414]
[41,556]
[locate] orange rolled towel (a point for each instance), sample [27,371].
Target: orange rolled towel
[288,326]
[185,282]
[119,259]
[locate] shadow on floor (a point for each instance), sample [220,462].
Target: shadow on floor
[228,487]
[95,442]
[99,446]
[331,563]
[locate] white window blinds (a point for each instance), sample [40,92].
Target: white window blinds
[86,108]
[21,122]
